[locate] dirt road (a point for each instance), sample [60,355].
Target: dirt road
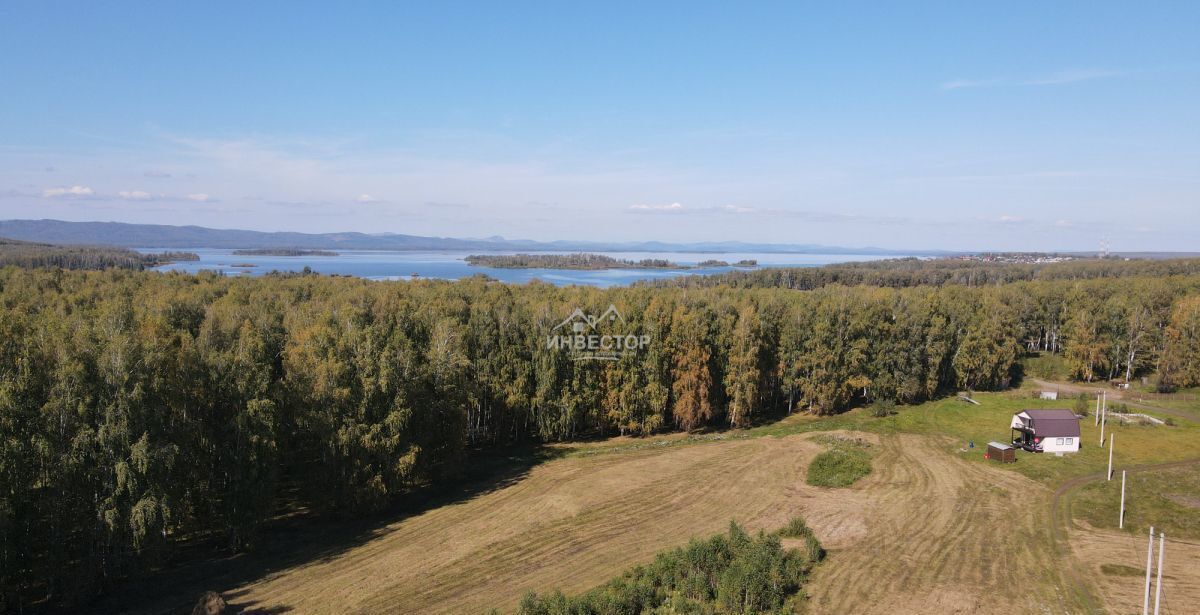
[1114,394]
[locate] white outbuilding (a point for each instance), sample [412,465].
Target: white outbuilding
[1046,431]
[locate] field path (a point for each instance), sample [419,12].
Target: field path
[925,532]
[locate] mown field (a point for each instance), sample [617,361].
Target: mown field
[932,528]
[925,529]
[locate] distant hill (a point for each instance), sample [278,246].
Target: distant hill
[166,236]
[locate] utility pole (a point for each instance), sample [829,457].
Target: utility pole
[1149,565]
[1121,523]
[1110,454]
[1162,539]
[1103,422]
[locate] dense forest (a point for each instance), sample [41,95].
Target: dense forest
[142,410]
[566,261]
[25,254]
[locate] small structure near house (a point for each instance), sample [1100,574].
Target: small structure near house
[1046,431]
[997,451]
[1051,395]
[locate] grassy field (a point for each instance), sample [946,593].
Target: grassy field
[933,528]
[1167,499]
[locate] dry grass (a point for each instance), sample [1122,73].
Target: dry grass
[926,530]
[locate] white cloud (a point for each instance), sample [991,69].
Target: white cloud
[1007,219]
[365,198]
[72,192]
[673,207]
[135,195]
[198,197]
[738,209]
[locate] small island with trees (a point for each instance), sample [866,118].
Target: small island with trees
[283,252]
[31,254]
[586,261]
[748,262]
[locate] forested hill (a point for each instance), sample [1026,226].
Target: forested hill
[908,272]
[144,411]
[26,254]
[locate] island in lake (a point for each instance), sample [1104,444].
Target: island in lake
[31,254]
[749,262]
[585,261]
[283,252]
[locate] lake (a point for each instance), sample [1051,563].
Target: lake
[379,265]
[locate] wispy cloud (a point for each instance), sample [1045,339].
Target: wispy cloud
[738,209]
[365,198]
[199,197]
[668,208]
[135,195]
[1059,78]
[68,192]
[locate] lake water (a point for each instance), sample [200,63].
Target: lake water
[378,265]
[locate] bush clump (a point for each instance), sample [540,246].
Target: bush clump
[846,461]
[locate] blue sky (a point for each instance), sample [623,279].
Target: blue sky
[904,125]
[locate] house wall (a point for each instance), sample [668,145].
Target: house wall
[1052,445]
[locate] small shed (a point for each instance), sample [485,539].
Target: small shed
[1050,431]
[1050,395]
[997,451]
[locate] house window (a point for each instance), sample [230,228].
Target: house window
[1058,441]
[1070,441]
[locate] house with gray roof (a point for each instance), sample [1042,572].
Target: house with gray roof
[1046,431]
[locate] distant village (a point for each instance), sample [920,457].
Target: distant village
[1027,258]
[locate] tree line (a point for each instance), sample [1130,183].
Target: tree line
[140,411]
[908,272]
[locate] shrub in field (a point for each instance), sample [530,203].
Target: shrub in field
[883,408]
[727,573]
